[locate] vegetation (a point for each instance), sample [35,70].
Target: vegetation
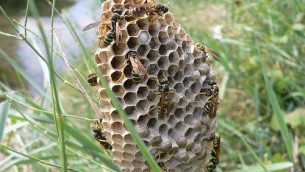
[261,78]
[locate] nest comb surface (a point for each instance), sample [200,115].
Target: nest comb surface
[182,141]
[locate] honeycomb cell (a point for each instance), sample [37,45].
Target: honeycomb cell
[153,56]
[163,62]
[154,29]
[144,37]
[172,69]
[142,92]
[129,84]
[166,144]
[163,37]
[153,69]
[187,82]
[173,57]
[171,45]
[133,43]
[171,33]
[169,19]
[163,128]
[130,98]
[143,24]
[182,142]
[130,110]
[142,106]
[163,49]
[189,119]
[155,141]
[118,61]
[151,123]
[142,119]
[179,112]
[119,49]
[116,76]
[142,131]
[117,138]
[133,30]
[198,113]
[179,88]
[154,43]
[179,76]
[143,50]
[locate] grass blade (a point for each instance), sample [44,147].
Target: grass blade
[4,109]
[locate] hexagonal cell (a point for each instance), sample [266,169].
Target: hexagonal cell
[172,69]
[179,112]
[171,45]
[142,106]
[169,18]
[188,81]
[163,49]
[143,131]
[162,128]
[103,56]
[115,116]
[144,37]
[129,84]
[189,146]
[182,141]
[179,88]
[118,127]
[180,126]
[198,113]
[133,30]
[130,98]
[117,62]
[130,110]
[133,43]
[117,138]
[163,37]
[187,47]
[143,50]
[142,92]
[153,69]
[182,103]
[129,148]
[154,43]
[116,76]
[119,90]
[179,76]
[171,133]
[171,32]
[173,57]
[153,56]
[143,24]
[198,63]
[151,123]
[142,119]
[105,68]
[165,145]
[106,6]
[155,141]
[123,36]
[119,49]
[205,69]
[189,119]
[154,29]
[189,58]
[163,62]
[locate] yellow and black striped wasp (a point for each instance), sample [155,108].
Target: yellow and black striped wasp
[138,71]
[92,79]
[210,108]
[211,54]
[99,136]
[164,103]
[149,8]
[215,155]
[113,32]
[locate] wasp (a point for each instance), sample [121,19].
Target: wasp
[113,32]
[164,102]
[211,54]
[215,154]
[99,136]
[210,108]
[92,79]
[138,70]
[149,8]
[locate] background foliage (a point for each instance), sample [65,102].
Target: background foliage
[261,77]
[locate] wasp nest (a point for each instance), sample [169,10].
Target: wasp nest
[182,139]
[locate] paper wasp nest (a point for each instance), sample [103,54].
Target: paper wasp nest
[181,141]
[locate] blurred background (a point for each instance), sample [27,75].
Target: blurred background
[261,79]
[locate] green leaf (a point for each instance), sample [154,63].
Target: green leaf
[4,109]
[270,168]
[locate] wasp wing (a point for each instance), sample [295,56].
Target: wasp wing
[137,66]
[91,26]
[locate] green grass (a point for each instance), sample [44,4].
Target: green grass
[261,77]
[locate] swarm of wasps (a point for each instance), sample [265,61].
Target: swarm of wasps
[138,72]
